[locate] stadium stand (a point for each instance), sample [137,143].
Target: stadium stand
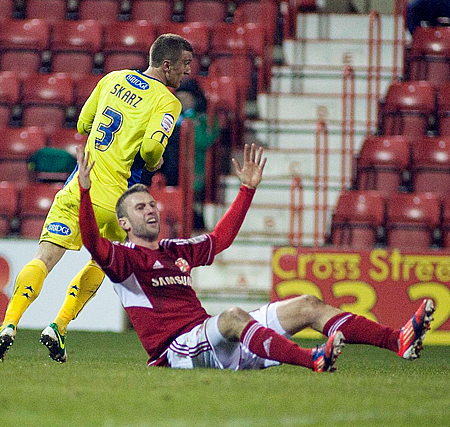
[126,45]
[198,33]
[431,165]
[84,85]
[9,96]
[358,219]
[9,197]
[412,220]
[34,203]
[48,101]
[22,44]
[445,225]
[75,45]
[407,108]
[18,144]
[382,163]
[67,139]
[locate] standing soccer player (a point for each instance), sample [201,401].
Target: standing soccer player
[129,117]
[153,281]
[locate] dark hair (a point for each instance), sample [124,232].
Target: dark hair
[121,210]
[192,86]
[168,46]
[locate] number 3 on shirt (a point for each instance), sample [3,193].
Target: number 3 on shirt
[110,129]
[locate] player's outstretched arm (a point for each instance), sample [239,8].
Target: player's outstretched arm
[250,174]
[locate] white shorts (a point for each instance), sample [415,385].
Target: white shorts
[205,347]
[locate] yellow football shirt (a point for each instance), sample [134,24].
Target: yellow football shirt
[129,118]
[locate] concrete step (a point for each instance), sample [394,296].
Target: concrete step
[296,107]
[338,26]
[298,79]
[334,53]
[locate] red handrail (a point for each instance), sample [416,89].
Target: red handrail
[374,70]
[296,212]
[186,174]
[348,124]
[399,37]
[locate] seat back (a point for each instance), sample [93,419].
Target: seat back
[6,9]
[155,11]
[205,11]
[68,140]
[429,53]
[407,108]
[358,219]
[8,206]
[197,33]
[22,43]
[443,109]
[84,87]
[75,44]
[50,10]
[9,95]
[382,162]
[412,219]
[127,45]
[105,11]
[431,165]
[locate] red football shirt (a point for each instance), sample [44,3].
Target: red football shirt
[155,286]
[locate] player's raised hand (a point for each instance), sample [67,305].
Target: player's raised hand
[250,174]
[84,168]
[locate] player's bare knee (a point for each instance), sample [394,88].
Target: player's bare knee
[232,322]
[308,301]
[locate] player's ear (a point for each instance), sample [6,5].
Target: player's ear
[124,224]
[166,65]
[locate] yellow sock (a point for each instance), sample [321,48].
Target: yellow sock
[82,288]
[27,288]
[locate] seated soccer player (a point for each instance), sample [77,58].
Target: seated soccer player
[153,281]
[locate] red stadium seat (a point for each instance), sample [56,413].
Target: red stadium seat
[9,95]
[205,11]
[358,219]
[170,206]
[22,43]
[74,46]
[155,11]
[127,45]
[429,55]
[431,165]
[46,100]
[67,139]
[412,219]
[104,11]
[51,10]
[35,201]
[443,109]
[18,144]
[407,108]
[382,163]
[6,9]
[9,198]
[198,34]
[227,38]
[84,86]
[446,221]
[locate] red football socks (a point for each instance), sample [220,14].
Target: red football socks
[359,330]
[266,343]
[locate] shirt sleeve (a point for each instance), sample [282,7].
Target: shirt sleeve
[109,256]
[159,129]
[87,114]
[229,225]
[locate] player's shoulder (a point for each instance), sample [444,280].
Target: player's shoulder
[167,243]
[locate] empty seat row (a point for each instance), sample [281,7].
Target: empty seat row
[413,108]
[87,46]
[24,208]
[388,163]
[410,221]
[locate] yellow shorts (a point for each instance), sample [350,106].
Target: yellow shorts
[62,228]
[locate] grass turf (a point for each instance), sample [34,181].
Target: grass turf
[106,383]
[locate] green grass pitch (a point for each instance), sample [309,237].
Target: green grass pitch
[106,383]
